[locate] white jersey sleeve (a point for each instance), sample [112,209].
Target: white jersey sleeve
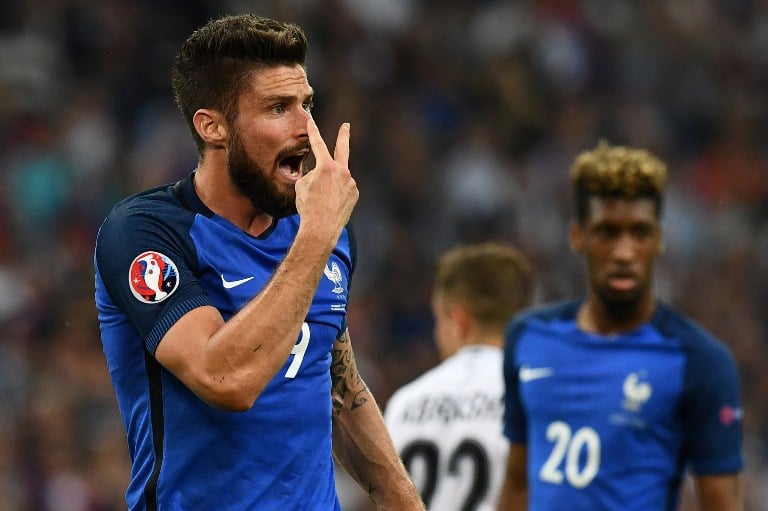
[447,427]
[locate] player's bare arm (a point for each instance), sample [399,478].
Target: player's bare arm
[361,442]
[720,492]
[228,364]
[514,492]
[348,388]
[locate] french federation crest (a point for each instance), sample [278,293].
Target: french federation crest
[153,277]
[333,273]
[636,392]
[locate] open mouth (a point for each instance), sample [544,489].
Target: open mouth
[292,165]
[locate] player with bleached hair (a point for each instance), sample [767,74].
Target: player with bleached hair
[612,398]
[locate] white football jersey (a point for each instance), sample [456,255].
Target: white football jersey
[447,427]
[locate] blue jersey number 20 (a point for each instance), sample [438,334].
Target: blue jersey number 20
[568,446]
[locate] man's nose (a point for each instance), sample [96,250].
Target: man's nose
[624,248]
[301,120]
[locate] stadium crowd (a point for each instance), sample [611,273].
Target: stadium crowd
[464,118]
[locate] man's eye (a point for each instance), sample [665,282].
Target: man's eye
[642,231]
[278,109]
[308,106]
[605,231]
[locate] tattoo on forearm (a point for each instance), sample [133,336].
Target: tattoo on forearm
[345,379]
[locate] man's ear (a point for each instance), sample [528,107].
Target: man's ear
[212,127]
[576,237]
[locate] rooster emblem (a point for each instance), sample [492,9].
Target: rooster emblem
[636,393]
[334,275]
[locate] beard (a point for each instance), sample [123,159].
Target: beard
[254,183]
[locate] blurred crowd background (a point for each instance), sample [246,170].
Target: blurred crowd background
[465,118]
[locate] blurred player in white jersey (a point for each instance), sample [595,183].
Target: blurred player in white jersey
[447,424]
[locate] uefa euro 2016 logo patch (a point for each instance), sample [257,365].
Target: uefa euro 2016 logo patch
[153,277]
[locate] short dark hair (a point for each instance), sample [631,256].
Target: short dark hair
[493,281]
[617,171]
[213,63]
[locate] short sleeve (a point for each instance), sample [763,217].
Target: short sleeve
[711,411]
[147,262]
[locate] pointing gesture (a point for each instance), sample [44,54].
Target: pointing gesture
[320,150]
[341,151]
[326,195]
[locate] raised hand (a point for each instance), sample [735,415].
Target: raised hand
[326,195]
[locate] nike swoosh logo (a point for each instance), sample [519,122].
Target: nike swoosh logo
[534,373]
[229,284]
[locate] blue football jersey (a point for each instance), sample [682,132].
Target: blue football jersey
[160,254]
[611,423]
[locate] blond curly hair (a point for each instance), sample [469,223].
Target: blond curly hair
[617,171]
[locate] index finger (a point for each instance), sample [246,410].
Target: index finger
[341,151]
[316,142]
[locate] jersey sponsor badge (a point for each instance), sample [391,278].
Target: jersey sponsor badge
[230,284]
[153,277]
[527,374]
[730,414]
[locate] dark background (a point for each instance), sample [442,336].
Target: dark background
[465,117]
